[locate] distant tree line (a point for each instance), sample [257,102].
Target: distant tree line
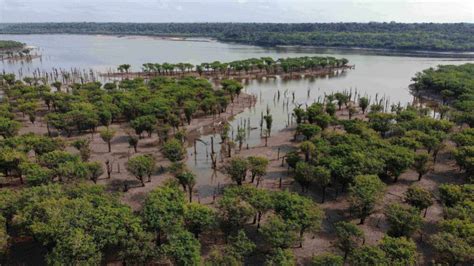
[400,36]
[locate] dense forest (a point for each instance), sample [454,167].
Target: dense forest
[400,36]
[7,45]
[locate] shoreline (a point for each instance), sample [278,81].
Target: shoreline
[331,49]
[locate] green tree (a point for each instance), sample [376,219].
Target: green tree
[268,122]
[144,123]
[327,259]
[107,135]
[364,194]
[67,222]
[260,200]
[464,157]
[174,150]
[241,246]
[322,178]
[363,104]
[279,233]
[341,99]
[397,160]
[281,257]
[233,212]
[399,250]
[133,142]
[300,211]
[308,148]
[381,122]
[369,255]
[331,109]
[198,218]
[349,237]
[73,171]
[222,256]
[141,166]
[402,220]
[124,67]
[292,158]
[8,127]
[451,194]
[421,164]
[75,248]
[419,198]
[258,167]
[95,170]
[187,180]
[236,169]
[300,114]
[452,249]
[164,210]
[35,175]
[190,108]
[304,175]
[83,146]
[308,130]
[182,248]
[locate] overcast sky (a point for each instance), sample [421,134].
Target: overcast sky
[236,10]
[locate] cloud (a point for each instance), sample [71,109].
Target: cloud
[236,10]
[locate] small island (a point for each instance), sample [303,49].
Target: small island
[16,51]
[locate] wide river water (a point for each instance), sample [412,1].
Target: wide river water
[374,74]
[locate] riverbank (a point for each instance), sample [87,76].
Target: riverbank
[376,51]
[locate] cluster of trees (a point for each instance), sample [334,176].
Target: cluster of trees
[454,85]
[50,162]
[362,153]
[350,241]
[238,168]
[160,105]
[289,217]
[252,65]
[37,159]
[8,45]
[454,242]
[406,36]
[75,224]
[84,224]
[385,145]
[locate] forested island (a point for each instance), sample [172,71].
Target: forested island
[252,68]
[351,180]
[457,37]
[10,45]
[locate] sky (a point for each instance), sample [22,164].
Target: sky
[290,11]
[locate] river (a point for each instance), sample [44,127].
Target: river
[374,74]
